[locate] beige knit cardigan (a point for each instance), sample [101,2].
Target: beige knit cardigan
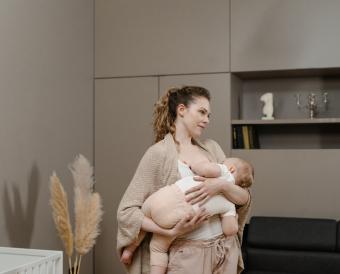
[157,168]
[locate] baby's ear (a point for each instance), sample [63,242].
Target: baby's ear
[232,168]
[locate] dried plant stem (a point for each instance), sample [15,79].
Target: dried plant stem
[70,264]
[75,265]
[79,264]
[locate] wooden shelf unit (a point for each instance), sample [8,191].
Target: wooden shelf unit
[291,128]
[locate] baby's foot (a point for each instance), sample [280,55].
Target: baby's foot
[126,256]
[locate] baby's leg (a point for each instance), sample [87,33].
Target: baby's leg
[159,247]
[229,225]
[165,207]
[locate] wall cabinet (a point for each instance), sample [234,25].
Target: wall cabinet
[152,37]
[290,34]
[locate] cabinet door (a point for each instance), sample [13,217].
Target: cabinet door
[219,87]
[295,183]
[290,34]
[123,132]
[153,37]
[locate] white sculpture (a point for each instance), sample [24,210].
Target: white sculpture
[268,108]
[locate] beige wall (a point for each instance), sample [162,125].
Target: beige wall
[46,111]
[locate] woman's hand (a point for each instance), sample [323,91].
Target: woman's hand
[189,223]
[204,191]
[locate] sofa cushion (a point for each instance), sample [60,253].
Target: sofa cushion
[292,233]
[289,261]
[338,238]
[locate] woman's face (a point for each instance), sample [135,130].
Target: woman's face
[195,117]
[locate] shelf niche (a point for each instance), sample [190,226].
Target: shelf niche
[292,127]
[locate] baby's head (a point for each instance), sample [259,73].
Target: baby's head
[242,170]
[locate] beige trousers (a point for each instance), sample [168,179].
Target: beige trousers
[216,256]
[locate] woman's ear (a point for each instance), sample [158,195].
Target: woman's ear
[181,109]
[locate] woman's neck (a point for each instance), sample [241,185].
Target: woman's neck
[182,136]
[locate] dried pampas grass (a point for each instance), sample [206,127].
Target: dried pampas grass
[61,215]
[86,235]
[87,208]
[82,173]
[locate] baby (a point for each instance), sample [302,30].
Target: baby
[167,206]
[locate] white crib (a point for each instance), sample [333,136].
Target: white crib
[30,261]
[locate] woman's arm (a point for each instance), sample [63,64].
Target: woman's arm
[129,214]
[212,186]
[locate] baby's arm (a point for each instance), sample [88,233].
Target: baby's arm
[206,169]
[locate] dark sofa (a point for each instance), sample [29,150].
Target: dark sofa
[275,245]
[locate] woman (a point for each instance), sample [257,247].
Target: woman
[181,115]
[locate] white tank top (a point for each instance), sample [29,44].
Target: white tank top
[210,228]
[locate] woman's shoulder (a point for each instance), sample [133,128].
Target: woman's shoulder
[157,149]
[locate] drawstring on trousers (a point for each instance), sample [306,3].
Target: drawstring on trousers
[221,252]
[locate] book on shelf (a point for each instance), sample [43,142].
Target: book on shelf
[239,137]
[245,137]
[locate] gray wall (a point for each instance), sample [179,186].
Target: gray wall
[46,112]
